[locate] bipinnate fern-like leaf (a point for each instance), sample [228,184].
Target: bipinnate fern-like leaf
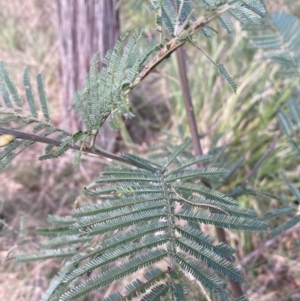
[105,92]
[288,209]
[13,114]
[295,220]
[289,120]
[280,211]
[180,17]
[173,17]
[147,223]
[104,95]
[280,40]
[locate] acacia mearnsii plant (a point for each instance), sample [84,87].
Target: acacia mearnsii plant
[144,225]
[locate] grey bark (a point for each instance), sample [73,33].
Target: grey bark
[84,27]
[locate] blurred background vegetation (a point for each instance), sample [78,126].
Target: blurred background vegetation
[244,123]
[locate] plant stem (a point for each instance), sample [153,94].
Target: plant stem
[237,290]
[186,94]
[96,150]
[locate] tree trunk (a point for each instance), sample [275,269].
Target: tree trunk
[84,27]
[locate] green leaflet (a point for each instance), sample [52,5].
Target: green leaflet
[12,118]
[228,78]
[114,273]
[280,40]
[43,97]
[136,218]
[10,86]
[29,93]
[223,221]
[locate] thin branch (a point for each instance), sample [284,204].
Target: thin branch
[96,150]
[187,99]
[262,159]
[268,244]
[179,40]
[204,53]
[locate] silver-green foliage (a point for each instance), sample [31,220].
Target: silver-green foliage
[181,16]
[289,120]
[174,18]
[280,40]
[14,113]
[148,217]
[288,209]
[105,93]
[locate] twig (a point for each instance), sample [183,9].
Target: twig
[262,159]
[96,151]
[268,244]
[204,53]
[179,40]
[189,108]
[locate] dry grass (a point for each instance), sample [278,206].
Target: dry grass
[36,189]
[274,274]
[27,38]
